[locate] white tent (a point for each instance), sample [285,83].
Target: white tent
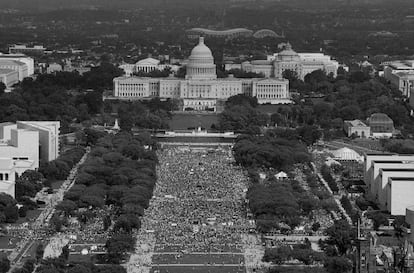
[281,175]
[347,154]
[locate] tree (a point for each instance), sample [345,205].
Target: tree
[39,252]
[379,219]
[309,134]
[315,226]
[12,213]
[2,88]
[65,253]
[67,206]
[118,245]
[339,264]
[340,234]
[4,265]
[80,268]
[182,71]
[106,222]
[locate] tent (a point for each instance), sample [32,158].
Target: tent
[347,154]
[281,175]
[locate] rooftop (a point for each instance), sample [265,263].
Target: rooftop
[356,122]
[10,62]
[402,178]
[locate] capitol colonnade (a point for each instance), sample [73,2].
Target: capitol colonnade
[201,90]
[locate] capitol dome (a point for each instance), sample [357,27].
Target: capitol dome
[201,63]
[201,50]
[288,54]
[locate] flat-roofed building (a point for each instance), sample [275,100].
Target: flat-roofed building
[22,147]
[18,66]
[28,142]
[21,58]
[9,77]
[383,180]
[35,50]
[7,176]
[400,192]
[401,74]
[381,157]
[356,128]
[48,137]
[378,166]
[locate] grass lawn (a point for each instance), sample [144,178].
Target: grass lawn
[199,269]
[198,259]
[78,258]
[31,214]
[183,121]
[31,253]
[4,242]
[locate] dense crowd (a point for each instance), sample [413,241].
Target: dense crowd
[199,201]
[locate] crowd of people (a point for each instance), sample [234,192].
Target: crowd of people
[198,207]
[39,228]
[200,196]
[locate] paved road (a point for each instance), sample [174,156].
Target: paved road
[43,219]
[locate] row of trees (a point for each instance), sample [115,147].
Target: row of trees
[350,96]
[49,97]
[59,168]
[327,175]
[270,150]
[120,173]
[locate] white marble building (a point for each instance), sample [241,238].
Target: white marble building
[147,65]
[201,89]
[301,63]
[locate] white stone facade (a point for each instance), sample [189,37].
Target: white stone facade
[288,59]
[400,195]
[20,67]
[9,77]
[28,142]
[21,58]
[147,65]
[7,176]
[401,74]
[201,90]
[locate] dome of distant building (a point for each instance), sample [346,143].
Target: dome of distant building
[288,54]
[381,125]
[380,118]
[201,63]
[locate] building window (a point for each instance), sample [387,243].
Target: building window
[1,177]
[7,176]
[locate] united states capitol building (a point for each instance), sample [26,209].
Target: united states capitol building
[201,89]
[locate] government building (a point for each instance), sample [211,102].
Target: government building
[201,89]
[288,59]
[22,146]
